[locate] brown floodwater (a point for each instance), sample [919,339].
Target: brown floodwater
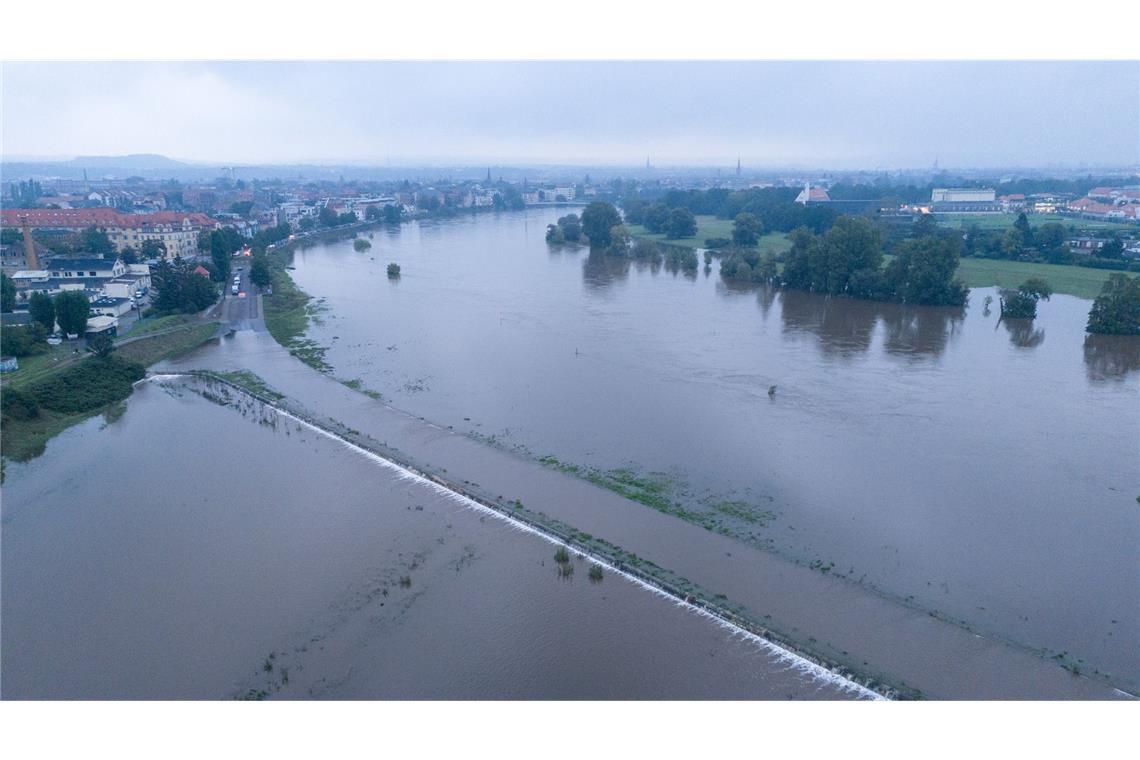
[984,470]
[194,550]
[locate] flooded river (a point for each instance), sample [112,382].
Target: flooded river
[929,498]
[985,471]
[194,550]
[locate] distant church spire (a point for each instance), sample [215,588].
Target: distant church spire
[738,166]
[488,174]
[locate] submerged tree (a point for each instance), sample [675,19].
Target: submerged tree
[1116,311]
[597,220]
[1022,303]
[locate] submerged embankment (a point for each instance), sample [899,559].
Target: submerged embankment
[830,619]
[253,556]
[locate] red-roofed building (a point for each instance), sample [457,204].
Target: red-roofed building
[812,195]
[178,231]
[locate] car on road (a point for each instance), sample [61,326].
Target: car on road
[241,294]
[234,290]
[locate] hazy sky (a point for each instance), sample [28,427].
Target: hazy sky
[834,114]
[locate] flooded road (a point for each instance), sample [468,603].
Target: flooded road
[985,471]
[191,549]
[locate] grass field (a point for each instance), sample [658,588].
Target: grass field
[1077,281]
[711,227]
[153,324]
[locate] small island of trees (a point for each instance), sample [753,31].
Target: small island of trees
[847,260]
[1116,311]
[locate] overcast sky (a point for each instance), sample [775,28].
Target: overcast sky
[834,115]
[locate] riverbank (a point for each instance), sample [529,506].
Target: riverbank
[26,438]
[1082,282]
[709,227]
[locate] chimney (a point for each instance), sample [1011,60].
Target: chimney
[33,262]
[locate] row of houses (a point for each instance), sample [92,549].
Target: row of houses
[110,284]
[178,231]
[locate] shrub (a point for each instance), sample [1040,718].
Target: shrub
[88,385]
[595,573]
[561,556]
[393,270]
[18,405]
[360,244]
[23,340]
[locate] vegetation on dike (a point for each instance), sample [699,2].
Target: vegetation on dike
[287,313]
[665,494]
[251,382]
[361,244]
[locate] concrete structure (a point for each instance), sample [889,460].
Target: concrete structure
[102,324]
[962,195]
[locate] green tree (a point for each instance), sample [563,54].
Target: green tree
[656,218]
[923,271]
[7,293]
[223,244]
[72,308]
[242,208]
[619,241]
[129,255]
[42,310]
[597,220]
[1113,249]
[1116,311]
[178,288]
[746,229]
[571,227]
[393,271]
[392,214]
[94,240]
[1021,225]
[1051,239]
[360,245]
[259,273]
[102,345]
[1022,303]
[152,250]
[1013,243]
[925,226]
[555,235]
[682,224]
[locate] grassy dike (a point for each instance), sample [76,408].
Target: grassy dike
[24,438]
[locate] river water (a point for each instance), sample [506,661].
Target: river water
[190,549]
[984,470]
